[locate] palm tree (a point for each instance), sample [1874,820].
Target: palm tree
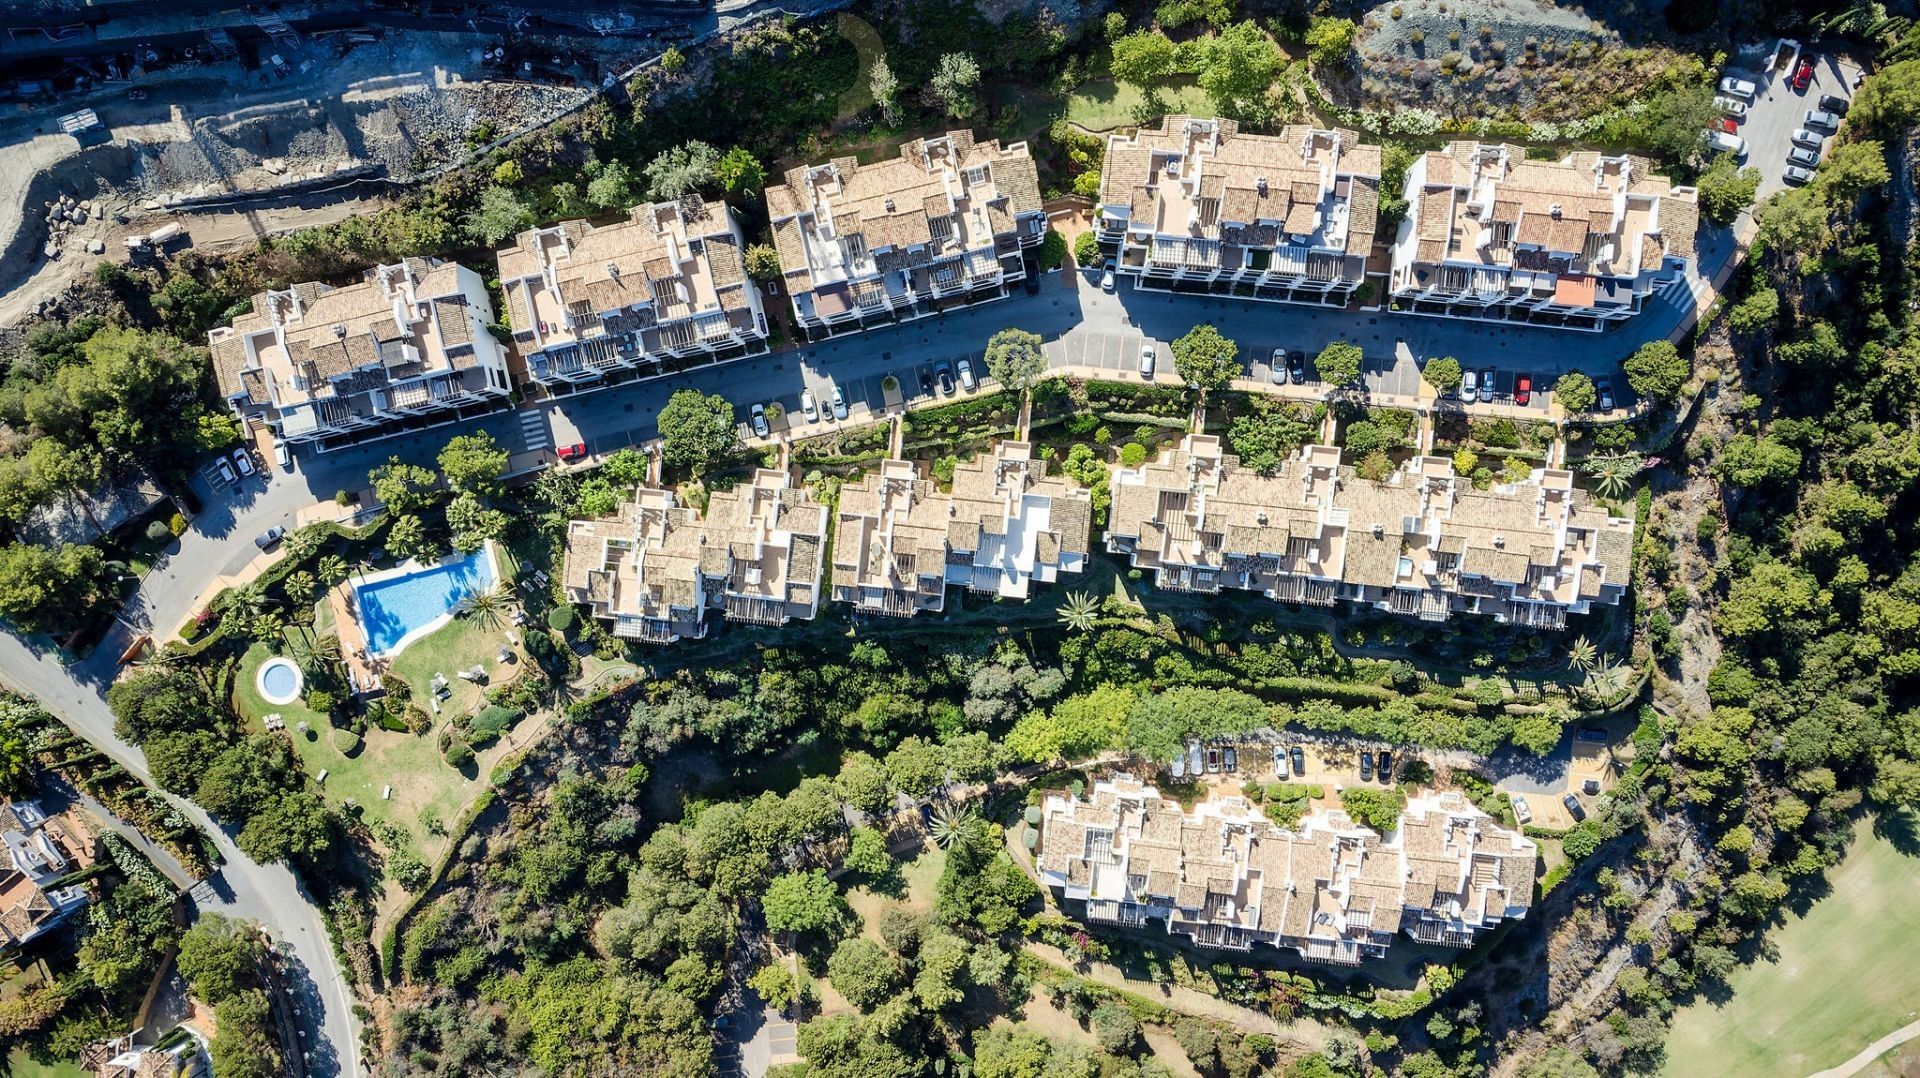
[305,542]
[1608,681]
[268,625]
[1079,611]
[1582,655]
[951,823]
[333,569]
[322,653]
[1613,476]
[486,607]
[301,588]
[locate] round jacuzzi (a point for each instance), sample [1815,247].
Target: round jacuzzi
[279,681]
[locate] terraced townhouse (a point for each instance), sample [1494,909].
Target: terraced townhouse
[899,542]
[326,367]
[664,289]
[945,223]
[1198,205]
[658,569]
[1582,243]
[1226,877]
[1423,543]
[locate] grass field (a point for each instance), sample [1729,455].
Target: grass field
[1104,105]
[20,1066]
[1843,978]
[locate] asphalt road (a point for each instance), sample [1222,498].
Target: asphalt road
[1778,110]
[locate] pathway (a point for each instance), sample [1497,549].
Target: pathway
[1307,1032]
[1872,1052]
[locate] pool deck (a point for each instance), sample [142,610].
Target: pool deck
[362,668]
[415,567]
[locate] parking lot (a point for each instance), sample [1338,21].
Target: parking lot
[1777,110]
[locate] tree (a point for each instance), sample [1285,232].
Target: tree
[1768,595]
[473,523]
[1079,611]
[1119,1031]
[863,783]
[295,824]
[1746,461]
[220,958]
[775,984]
[501,213]
[407,538]
[1144,58]
[864,972]
[1378,809]
[1264,437]
[1794,221]
[1078,727]
[1339,364]
[1674,123]
[1206,360]
[1760,310]
[611,187]
[1853,167]
[1331,40]
[47,588]
[954,82]
[332,570]
[740,173]
[1086,249]
[681,171]
[473,464]
[916,767]
[1443,374]
[403,488]
[1015,359]
[1726,189]
[1238,68]
[1890,100]
[867,853]
[245,1045]
[885,89]
[763,262]
[695,429]
[804,904]
[1538,734]
[951,824]
[1576,392]
[1657,370]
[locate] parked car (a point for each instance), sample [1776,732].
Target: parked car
[1736,109]
[1573,808]
[757,416]
[1277,366]
[1233,759]
[269,537]
[1469,385]
[1213,761]
[243,461]
[808,407]
[225,469]
[1366,767]
[1802,75]
[1299,756]
[1803,157]
[1822,118]
[1835,104]
[944,374]
[839,403]
[1486,386]
[1591,787]
[1032,281]
[966,375]
[1594,734]
[1280,769]
[576,451]
[283,457]
[1603,388]
[1385,764]
[1726,125]
[1522,389]
[1738,88]
[1797,176]
[1147,355]
[1106,277]
[1297,367]
[926,381]
[1522,811]
[1725,143]
[1810,139]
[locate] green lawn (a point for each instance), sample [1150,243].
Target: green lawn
[19,1066]
[1104,105]
[1843,978]
[919,878]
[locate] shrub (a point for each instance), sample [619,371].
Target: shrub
[560,619]
[177,524]
[492,722]
[322,702]
[158,532]
[1086,249]
[459,754]
[1133,454]
[346,741]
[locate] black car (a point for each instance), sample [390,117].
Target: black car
[944,373]
[1366,766]
[926,381]
[1385,763]
[1297,366]
[1573,807]
[1299,756]
[1835,104]
[269,537]
[1033,279]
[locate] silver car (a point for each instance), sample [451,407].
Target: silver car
[1822,118]
[1804,158]
[1739,88]
[1486,386]
[1797,176]
[1277,364]
[757,416]
[1810,139]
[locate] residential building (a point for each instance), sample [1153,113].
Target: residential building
[944,223]
[39,852]
[1336,892]
[332,366]
[657,568]
[1581,242]
[667,285]
[1200,206]
[1424,542]
[899,541]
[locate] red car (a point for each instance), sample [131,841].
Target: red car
[1522,389]
[573,452]
[1725,123]
[1803,74]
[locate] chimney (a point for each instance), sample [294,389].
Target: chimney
[613,270]
[1499,541]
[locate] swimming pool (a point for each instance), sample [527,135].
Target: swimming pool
[279,681]
[402,605]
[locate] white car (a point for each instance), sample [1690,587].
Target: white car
[1147,355]
[1729,106]
[1740,88]
[1106,281]
[1522,811]
[1727,143]
[225,469]
[1797,176]
[243,460]
[283,457]
[839,404]
[965,367]
[1822,118]
[757,416]
[1277,364]
[1469,385]
[808,407]
[1813,140]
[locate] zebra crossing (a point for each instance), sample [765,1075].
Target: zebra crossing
[533,430]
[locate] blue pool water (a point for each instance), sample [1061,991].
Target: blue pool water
[392,608]
[279,681]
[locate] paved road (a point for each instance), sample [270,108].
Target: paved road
[243,888]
